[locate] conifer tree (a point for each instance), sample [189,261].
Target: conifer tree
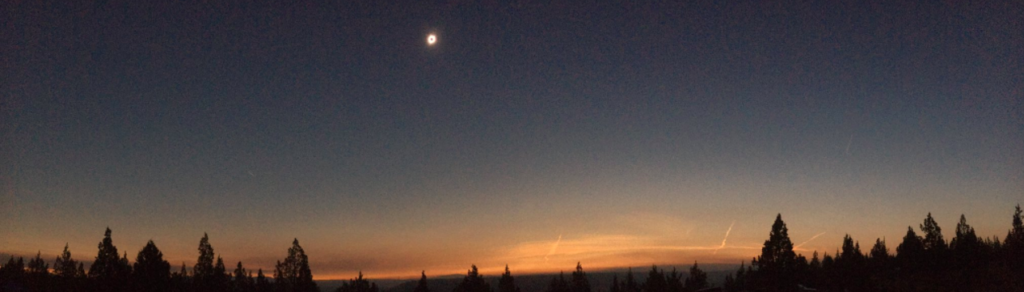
[37,265]
[220,281]
[241,279]
[697,280]
[966,245]
[1014,244]
[911,249]
[358,285]
[879,252]
[202,272]
[630,284]
[655,281]
[507,283]
[262,284]
[64,266]
[294,274]
[109,271]
[932,241]
[151,272]
[580,283]
[12,273]
[559,284]
[473,282]
[775,265]
[675,281]
[421,286]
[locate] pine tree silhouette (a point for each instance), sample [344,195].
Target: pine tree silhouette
[580,283]
[1013,250]
[655,281]
[37,265]
[109,272]
[775,265]
[473,282]
[630,285]
[12,274]
[294,274]
[262,284]
[64,266]
[932,241]
[203,273]
[507,283]
[241,280]
[911,250]
[421,286]
[358,285]
[697,280]
[151,272]
[675,281]
[559,284]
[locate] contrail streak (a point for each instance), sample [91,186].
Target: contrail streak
[848,142]
[553,248]
[726,237]
[809,240]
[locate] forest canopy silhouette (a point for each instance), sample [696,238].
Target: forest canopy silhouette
[921,262]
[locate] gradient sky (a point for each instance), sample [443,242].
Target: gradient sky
[534,134]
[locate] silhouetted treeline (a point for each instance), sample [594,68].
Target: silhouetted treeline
[112,272]
[925,262]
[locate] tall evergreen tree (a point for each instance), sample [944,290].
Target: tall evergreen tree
[241,280]
[473,282]
[262,284]
[202,272]
[1015,237]
[294,273]
[879,251]
[180,280]
[507,283]
[630,284]
[655,281]
[968,255]
[775,265]
[1014,243]
[559,284]
[421,286]
[358,285]
[108,270]
[675,281]
[220,281]
[966,243]
[64,266]
[151,272]
[37,265]
[850,264]
[697,280]
[580,283]
[932,240]
[12,273]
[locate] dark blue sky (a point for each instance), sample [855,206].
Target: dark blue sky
[337,123]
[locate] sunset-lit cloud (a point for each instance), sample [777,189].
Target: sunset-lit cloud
[554,247]
[797,247]
[725,238]
[609,250]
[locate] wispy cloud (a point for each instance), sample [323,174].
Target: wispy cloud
[809,240]
[726,237]
[553,248]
